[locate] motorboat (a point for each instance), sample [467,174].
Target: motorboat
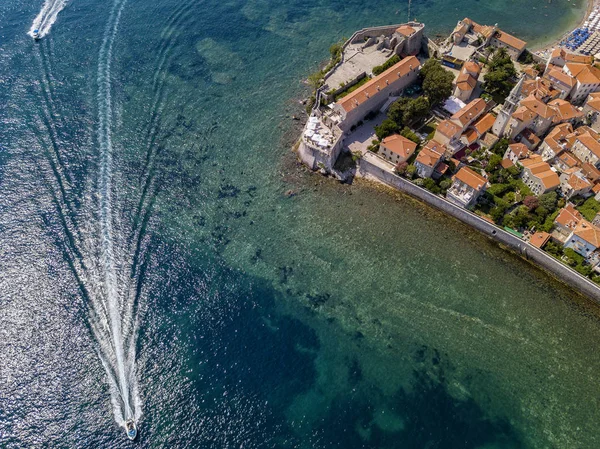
[131,429]
[36,35]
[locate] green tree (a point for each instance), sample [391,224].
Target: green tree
[437,85]
[497,213]
[498,189]
[431,65]
[387,127]
[401,168]
[430,185]
[501,70]
[500,147]
[416,110]
[411,170]
[493,163]
[548,201]
[397,109]
[489,51]
[406,132]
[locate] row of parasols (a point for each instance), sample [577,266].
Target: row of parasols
[317,133]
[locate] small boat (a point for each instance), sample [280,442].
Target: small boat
[131,429]
[36,35]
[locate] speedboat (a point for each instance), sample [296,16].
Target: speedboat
[36,35]
[131,429]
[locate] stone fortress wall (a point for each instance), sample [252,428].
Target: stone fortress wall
[540,258]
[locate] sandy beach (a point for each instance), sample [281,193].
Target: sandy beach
[545,49]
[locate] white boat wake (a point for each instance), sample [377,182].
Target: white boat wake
[47,16]
[114,321]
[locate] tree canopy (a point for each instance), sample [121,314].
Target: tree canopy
[437,82]
[501,70]
[406,110]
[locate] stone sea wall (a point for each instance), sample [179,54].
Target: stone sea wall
[542,259]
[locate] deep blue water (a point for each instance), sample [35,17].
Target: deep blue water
[152,263]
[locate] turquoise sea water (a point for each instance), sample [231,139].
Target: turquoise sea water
[164,256]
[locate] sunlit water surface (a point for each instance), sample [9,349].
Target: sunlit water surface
[155,263]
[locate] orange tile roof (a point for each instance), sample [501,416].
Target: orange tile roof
[542,171]
[593,101]
[431,154]
[537,106]
[471,178]
[590,143]
[531,72]
[519,150]
[549,179]
[596,188]
[465,82]
[568,159]
[588,232]
[510,40]
[405,30]
[373,87]
[448,128]
[564,110]
[399,145]
[540,88]
[570,57]
[584,73]
[569,217]
[506,163]
[578,183]
[471,67]
[470,112]
[555,74]
[524,114]
[590,172]
[484,124]
[558,134]
[530,136]
[470,135]
[539,239]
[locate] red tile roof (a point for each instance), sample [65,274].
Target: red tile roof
[539,239]
[510,40]
[471,178]
[470,112]
[399,145]
[374,86]
[569,217]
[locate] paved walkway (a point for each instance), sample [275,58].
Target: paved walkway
[361,138]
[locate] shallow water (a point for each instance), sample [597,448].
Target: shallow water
[339,316]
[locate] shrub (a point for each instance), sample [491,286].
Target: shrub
[554,249]
[498,189]
[401,168]
[406,132]
[430,185]
[589,208]
[411,170]
[379,69]
[386,128]
[493,163]
[497,213]
[531,202]
[500,147]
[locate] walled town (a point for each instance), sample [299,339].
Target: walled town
[476,120]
